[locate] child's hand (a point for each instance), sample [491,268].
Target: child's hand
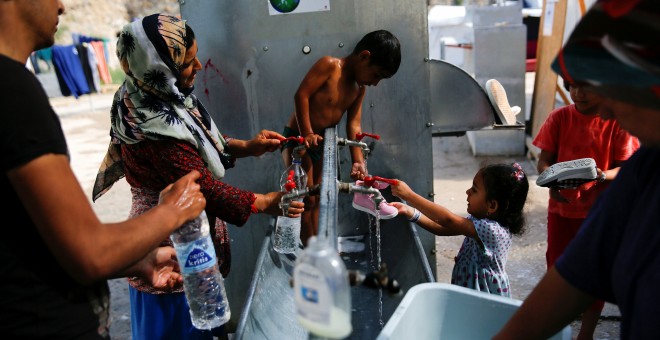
[358,171]
[555,194]
[313,140]
[403,209]
[401,190]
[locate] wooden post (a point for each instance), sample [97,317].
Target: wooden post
[551,37]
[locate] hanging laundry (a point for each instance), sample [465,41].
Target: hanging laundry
[87,69]
[69,71]
[46,55]
[91,57]
[102,65]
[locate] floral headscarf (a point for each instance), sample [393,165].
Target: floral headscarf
[150,106]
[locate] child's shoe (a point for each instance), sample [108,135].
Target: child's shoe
[366,203]
[497,97]
[569,174]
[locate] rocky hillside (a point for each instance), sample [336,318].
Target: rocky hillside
[104,18]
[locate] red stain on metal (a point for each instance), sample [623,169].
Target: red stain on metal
[211,72]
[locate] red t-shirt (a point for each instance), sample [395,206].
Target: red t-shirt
[571,135]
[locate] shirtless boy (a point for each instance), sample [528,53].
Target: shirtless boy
[331,87]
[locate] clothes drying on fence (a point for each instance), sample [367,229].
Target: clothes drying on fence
[45,55]
[69,71]
[104,72]
[80,68]
[101,49]
[94,64]
[83,55]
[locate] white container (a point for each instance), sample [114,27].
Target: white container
[446,311]
[322,291]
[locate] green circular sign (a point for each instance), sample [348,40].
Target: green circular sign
[284,6]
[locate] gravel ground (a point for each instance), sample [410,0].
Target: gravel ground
[86,124]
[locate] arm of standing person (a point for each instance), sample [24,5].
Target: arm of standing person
[547,159]
[353,127]
[264,141]
[553,304]
[312,83]
[445,222]
[229,203]
[86,248]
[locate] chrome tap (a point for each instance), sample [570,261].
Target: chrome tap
[361,145]
[378,279]
[352,188]
[294,194]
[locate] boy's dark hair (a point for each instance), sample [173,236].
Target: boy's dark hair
[507,184]
[385,50]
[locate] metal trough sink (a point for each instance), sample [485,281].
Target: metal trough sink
[269,311]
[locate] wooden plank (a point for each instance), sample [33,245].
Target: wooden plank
[545,81]
[565,98]
[583,7]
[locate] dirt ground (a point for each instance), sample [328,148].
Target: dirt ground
[86,124]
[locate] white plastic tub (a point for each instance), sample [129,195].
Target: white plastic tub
[445,311]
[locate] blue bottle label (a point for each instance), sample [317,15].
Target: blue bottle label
[196,256]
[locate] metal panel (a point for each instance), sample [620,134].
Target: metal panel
[458,102]
[253,63]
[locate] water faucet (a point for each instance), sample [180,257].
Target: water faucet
[377,279]
[352,188]
[361,145]
[297,193]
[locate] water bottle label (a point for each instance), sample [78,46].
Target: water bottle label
[196,256]
[312,294]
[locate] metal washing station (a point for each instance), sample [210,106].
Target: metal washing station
[253,62]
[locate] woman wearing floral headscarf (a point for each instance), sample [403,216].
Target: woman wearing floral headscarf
[161,131]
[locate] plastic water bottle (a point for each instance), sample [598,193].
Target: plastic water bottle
[287,234]
[287,229]
[202,282]
[322,291]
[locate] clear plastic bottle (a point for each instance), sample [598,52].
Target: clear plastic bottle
[202,281]
[322,291]
[287,229]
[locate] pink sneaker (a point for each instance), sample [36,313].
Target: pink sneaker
[365,202]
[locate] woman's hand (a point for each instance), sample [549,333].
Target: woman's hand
[269,203]
[295,209]
[264,141]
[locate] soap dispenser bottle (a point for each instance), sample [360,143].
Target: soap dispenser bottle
[322,291]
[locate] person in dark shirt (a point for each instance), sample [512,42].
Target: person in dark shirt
[614,257]
[55,254]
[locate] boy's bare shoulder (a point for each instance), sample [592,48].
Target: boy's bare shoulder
[329,62]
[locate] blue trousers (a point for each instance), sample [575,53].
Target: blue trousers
[164,316]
